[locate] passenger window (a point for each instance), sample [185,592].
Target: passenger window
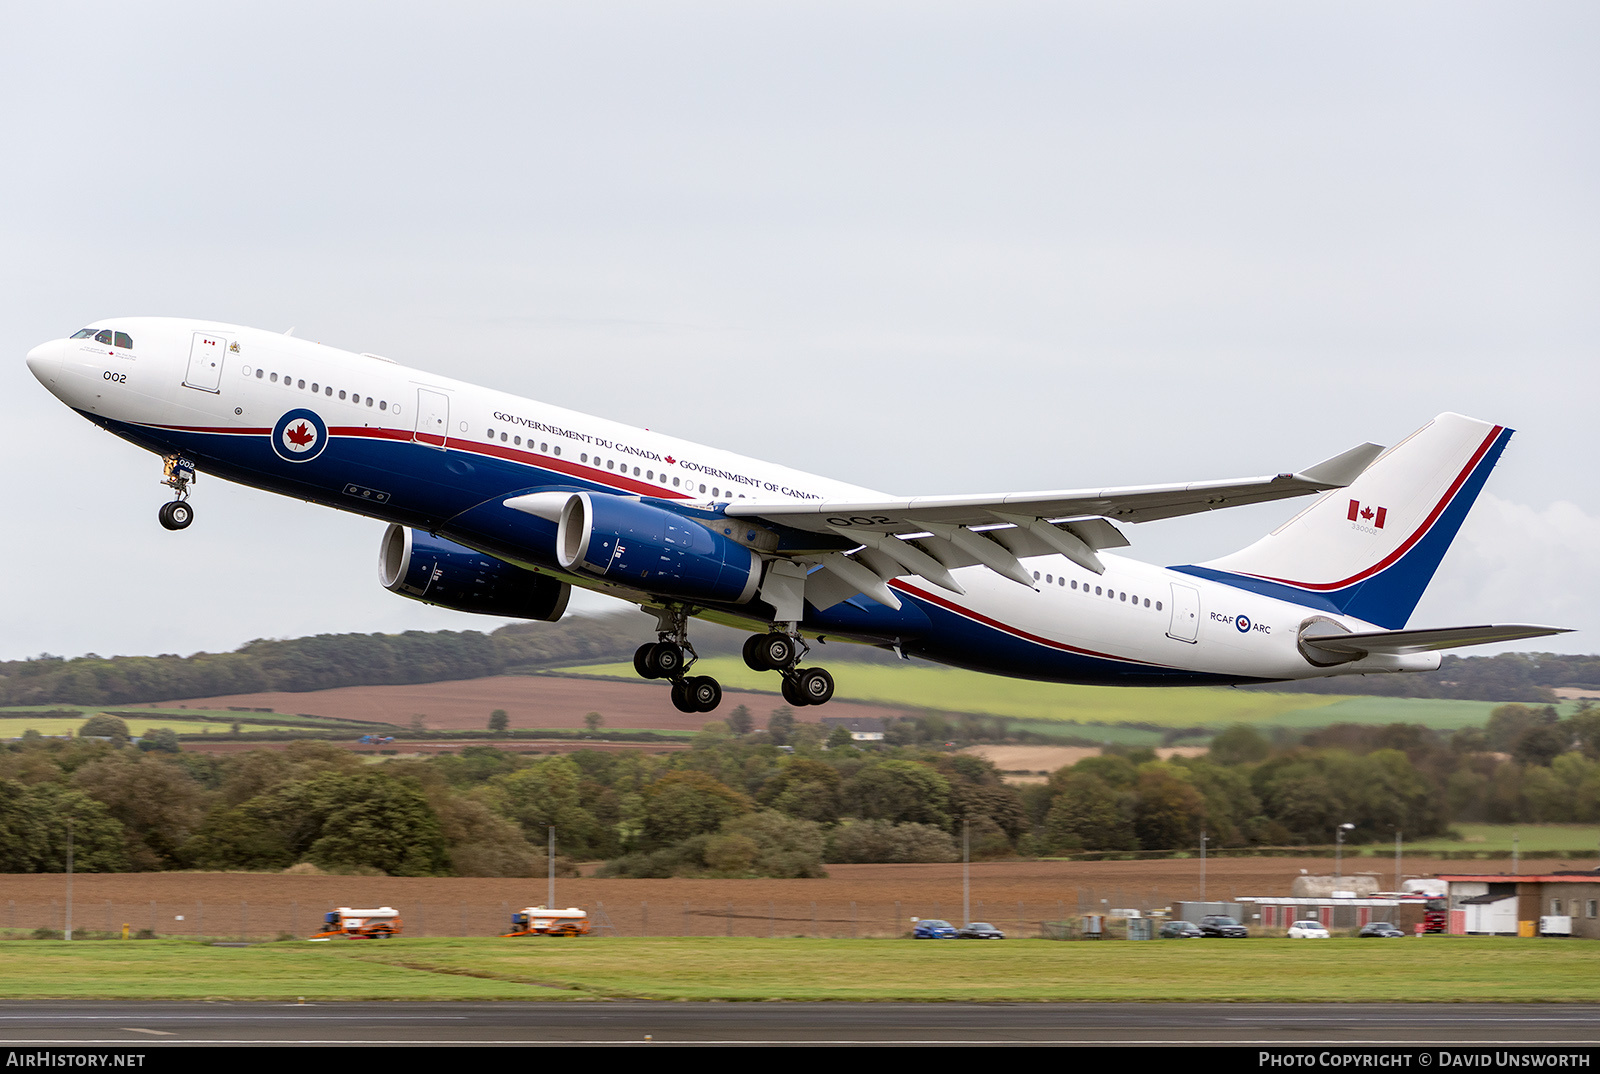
[314,388]
[558,449]
[329,390]
[341,394]
[383,404]
[301,384]
[517,440]
[503,438]
[260,373]
[274,378]
[369,403]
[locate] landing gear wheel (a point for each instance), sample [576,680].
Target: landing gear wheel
[176,515]
[666,660]
[681,699]
[774,650]
[705,692]
[817,686]
[792,694]
[752,653]
[641,660]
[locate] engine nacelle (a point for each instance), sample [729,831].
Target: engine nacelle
[433,570]
[653,549]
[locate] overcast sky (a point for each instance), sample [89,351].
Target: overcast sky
[927,248]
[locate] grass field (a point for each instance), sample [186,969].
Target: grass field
[921,686]
[1531,839]
[12,725]
[701,968]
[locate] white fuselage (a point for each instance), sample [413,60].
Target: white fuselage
[218,400]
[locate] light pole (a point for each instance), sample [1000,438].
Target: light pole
[966,860]
[1338,849]
[1202,865]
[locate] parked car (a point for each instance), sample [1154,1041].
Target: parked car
[1307,930]
[1180,930]
[1381,930]
[979,930]
[1222,925]
[932,928]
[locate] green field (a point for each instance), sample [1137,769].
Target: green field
[57,720]
[942,689]
[706,968]
[12,725]
[1531,839]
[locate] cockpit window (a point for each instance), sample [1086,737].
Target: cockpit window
[83,333]
[124,340]
[103,336]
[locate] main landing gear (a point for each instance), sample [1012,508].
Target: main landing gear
[781,652]
[671,657]
[179,474]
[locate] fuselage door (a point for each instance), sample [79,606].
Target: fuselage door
[433,418]
[1185,614]
[205,362]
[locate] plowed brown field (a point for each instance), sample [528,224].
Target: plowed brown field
[861,900]
[530,701]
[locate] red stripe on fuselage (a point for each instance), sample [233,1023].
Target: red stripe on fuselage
[979,617]
[619,482]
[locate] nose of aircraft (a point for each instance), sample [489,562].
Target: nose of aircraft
[45,360]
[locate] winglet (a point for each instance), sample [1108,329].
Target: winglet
[1343,468]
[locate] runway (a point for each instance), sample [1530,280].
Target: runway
[138,1024]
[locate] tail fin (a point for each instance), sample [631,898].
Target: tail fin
[1369,550]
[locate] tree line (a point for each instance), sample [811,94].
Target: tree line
[781,802]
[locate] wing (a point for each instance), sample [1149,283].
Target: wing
[932,535]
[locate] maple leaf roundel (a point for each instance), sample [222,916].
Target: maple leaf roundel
[299,436]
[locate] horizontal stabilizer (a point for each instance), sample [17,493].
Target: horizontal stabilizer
[1401,642]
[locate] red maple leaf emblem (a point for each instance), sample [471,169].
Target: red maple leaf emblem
[670,460]
[300,435]
[1366,512]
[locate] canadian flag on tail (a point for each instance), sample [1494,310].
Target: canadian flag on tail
[1373,516]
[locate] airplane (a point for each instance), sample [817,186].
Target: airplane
[499,505]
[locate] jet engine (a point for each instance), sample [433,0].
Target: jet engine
[433,570]
[651,548]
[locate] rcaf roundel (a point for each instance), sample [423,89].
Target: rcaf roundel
[299,436]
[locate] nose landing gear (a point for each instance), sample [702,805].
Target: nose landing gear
[176,515]
[671,657]
[178,474]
